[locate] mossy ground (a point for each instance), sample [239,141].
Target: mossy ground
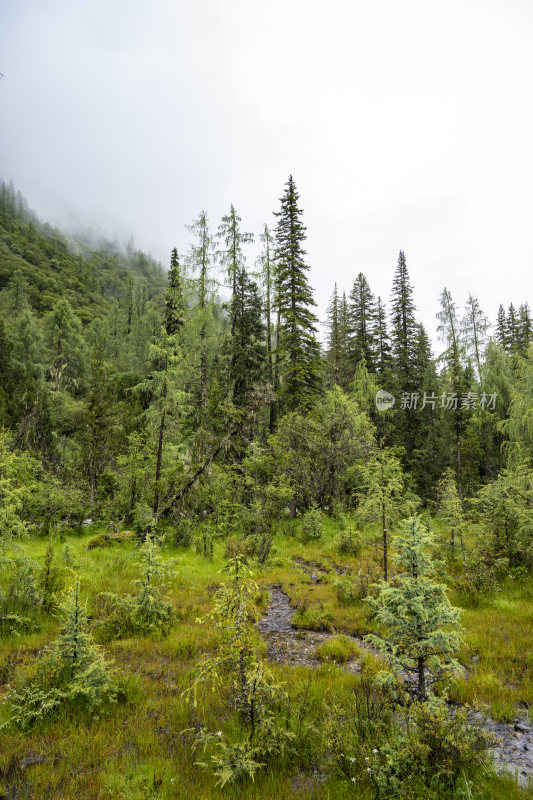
[137,750]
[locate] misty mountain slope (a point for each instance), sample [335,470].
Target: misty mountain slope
[55,266]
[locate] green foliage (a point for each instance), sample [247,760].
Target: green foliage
[504,509]
[18,474]
[349,543]
[337,649]
[451,509]
[50,579]
[421,625]
[437,751]
[355,586]
[71,673]
[235,665]
[383,497]
[297,351]
[148,610]
[312,526]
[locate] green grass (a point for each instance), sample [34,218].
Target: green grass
[139,749]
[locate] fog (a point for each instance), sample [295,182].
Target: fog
[407,125]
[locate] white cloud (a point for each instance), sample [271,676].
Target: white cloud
[406,125]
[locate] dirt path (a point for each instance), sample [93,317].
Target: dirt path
[296,647]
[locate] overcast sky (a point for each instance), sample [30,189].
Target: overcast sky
[407,124]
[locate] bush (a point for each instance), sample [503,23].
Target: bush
[312,526]
[355,587]
[435,752]
[349,543]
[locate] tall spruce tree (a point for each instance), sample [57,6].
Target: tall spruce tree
[404,328]
[362,321]
[512,325]
[404,335]
[174,298]
[501,327]
[298,348]
[383,348]
[334,354]
[525,329]
[247,339]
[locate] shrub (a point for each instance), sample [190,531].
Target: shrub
[356,586]
[349,543]
[312,526]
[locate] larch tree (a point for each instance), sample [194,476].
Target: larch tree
[266,265]
[232,257]
[199,260]
[474,329]
[383,499]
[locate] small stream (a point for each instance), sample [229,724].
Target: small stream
[288,645]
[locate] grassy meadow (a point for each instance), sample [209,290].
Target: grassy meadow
[141,747]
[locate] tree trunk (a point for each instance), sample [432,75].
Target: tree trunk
[421,678]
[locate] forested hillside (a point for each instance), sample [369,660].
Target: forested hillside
[198,414]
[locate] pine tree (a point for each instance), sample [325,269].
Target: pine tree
[298,349]
[174,298]
[422,637]
[362,322]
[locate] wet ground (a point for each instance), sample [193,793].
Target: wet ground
[296,647]
[285,643]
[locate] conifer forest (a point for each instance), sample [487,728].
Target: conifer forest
[256,542]
[238,560]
